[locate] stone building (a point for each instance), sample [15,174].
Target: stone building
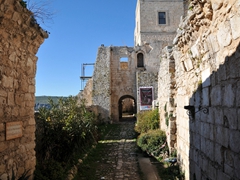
[199,91]
[20,38]
[123,73]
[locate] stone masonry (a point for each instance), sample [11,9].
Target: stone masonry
[206,55]
[20,38]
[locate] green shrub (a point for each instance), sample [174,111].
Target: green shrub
[153,142]
[50,170]
[62,131]
[147,120]
[63,128]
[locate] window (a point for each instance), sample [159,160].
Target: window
[140,62]
[124,63]
[161,18]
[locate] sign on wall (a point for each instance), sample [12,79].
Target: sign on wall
[13,130]
[146,98]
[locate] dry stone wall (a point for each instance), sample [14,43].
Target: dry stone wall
[20,38]
[207,76]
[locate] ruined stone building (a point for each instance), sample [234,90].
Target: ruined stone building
[20,38]
[123,73]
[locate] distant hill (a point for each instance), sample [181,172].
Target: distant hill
[44,99]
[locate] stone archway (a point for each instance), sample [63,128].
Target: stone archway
[127,106]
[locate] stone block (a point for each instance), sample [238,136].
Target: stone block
[221,73]
[224,34]
[188,64]
[2,127]
[216,96]
[238,94]
[213,42]
[212,132]
[206,77]
[236,165]
[228,169]
[205,130]
[230,118]
[216,5]
[222,176]
[10,99]
[218,154]
[238,119]
[7,82]
[228,95]
[197,98]
[195,155]
[4,176]
[211,171]
[234,21]
[2,137]
[218,116]
[30,129]
[222,134]
[205,96]
[196,141]
[203,144]
[210,149]
[234,140]
[229,157]
[195,50]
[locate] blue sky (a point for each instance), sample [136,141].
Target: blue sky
[77,29]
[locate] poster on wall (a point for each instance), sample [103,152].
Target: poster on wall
[146,98]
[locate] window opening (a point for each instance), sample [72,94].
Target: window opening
[140,62]
[161,18]
[124,63]
[123,59]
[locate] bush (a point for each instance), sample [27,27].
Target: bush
[153,142]
[63,130]
[147,120]
[50,170]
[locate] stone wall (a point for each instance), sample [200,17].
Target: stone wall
[86,94]
[166,94]
[122,77]
[102,80]
[20,38]
[207,76]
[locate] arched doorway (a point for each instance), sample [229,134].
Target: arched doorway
[127,107]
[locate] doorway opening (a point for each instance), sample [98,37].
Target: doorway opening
[127,108]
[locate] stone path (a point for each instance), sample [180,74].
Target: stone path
[118,157]
[121,160]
